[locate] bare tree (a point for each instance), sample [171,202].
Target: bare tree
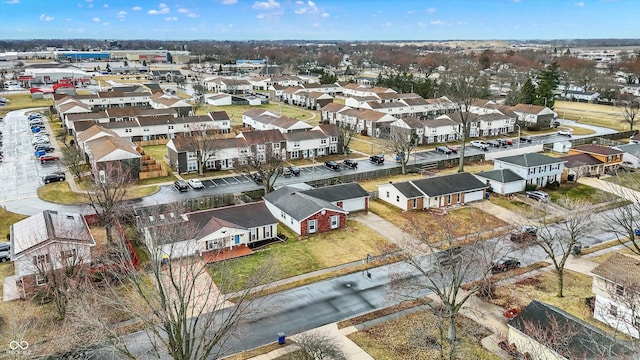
[185,316]
[624,220]
[347,132]
[317,346]
[464,260]
[557,240]
[204,143]
[107,194]
[265,161]
[73,159]
[464,86]
[630,110]
[554,334]
[402,143]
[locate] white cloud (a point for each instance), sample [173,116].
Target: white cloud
[90,6]
[325,15]
[431,10]
[89,1]
[95,19]
[261,16]
[106,23]
[461,22]
[266,5]
[306,8]
[68,19]
[436,22]
[421,24]
[163,9]
[136,8]
[11,2]
[171,18]
[192,15]
[580,4]
[105,6]
[410,12]
[183,11]
[229,2]
[46,18]
[387,24]
[122,14]
[315,25]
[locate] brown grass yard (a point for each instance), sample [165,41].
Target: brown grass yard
[8,218]
[23,101]
[457,223]
[306,254]
[404,338]
[594,114]
[311,117]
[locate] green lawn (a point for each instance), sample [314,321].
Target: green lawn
[23,101]
[579,192]
[511,204]
[306,254]
[629,180]
[8,218]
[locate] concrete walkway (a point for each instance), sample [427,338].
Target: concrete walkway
[392,233]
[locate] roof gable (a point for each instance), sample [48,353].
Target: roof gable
[449,184]
[530,160]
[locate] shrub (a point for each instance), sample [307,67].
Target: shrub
[553,185]
[530,187]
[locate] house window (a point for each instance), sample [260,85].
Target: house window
[260,147]
[127,130]
[387,194]
[66,254]
[212,244]
[619,290]
[276,146]
[41,259]
[613,310]
[254,234]
[312,226]
[41,279]
[323,141]
[415,203]
[398,198]
[267,232]
[335,221]
[296,144]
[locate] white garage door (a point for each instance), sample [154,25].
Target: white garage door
[353,205]
[473,196]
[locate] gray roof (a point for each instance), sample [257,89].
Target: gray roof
[632,149]
[297,204]
[408,190]
[530,160]
[338,192]
[501,175]
[579,345]
[449,184]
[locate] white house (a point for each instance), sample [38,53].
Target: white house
[631,156]
[441,129]
[502,181]
[536,169]
[617,288]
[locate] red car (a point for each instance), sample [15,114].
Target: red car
[453,149]
[48,158]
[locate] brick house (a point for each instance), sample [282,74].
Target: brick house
[46,242]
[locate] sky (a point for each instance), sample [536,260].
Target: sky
[319,19]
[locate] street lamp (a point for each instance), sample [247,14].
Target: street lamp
[518,135]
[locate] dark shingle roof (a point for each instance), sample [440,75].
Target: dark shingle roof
[597,149]
[338,192]
[408,190]
[578,160]
[449,184]
[538,315]
[530,160]
[501,175]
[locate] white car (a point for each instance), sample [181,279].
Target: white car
[196,184]
[566,132]
[480,144]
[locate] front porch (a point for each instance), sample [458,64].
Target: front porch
[212,256]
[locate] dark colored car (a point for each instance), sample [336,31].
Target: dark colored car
[54,177]
[45,148]
[350,163]
[295,171]
[524,233]
[526,139]
[505,264]
[181,185]
[5,256]
[377,159]
[443,149]
[48,158]
[5,246]
[505,142]
[332,165]
[257,178]
[494,143]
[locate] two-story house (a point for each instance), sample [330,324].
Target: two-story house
[409,127]
[537,169]
[441,129]
[534,115]
[611,158]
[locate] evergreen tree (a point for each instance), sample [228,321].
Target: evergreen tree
[527,93]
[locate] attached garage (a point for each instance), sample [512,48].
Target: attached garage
[502,181]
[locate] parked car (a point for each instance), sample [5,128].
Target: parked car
[48,158]
[480,145]
[295,171]
[538,195]
[54,177]
[527,139]
[505,142]
[524,233]
[636,232]
[454,149]
[505,264]
[181,185]
[285,172]
[34,115]
[257,178]
[5,256]
[37,122]
[350,163]
[196,184]
[494,143]
[566,132]
[377,159]
[5,246]
[443,149]
[45,148]
[332,165]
